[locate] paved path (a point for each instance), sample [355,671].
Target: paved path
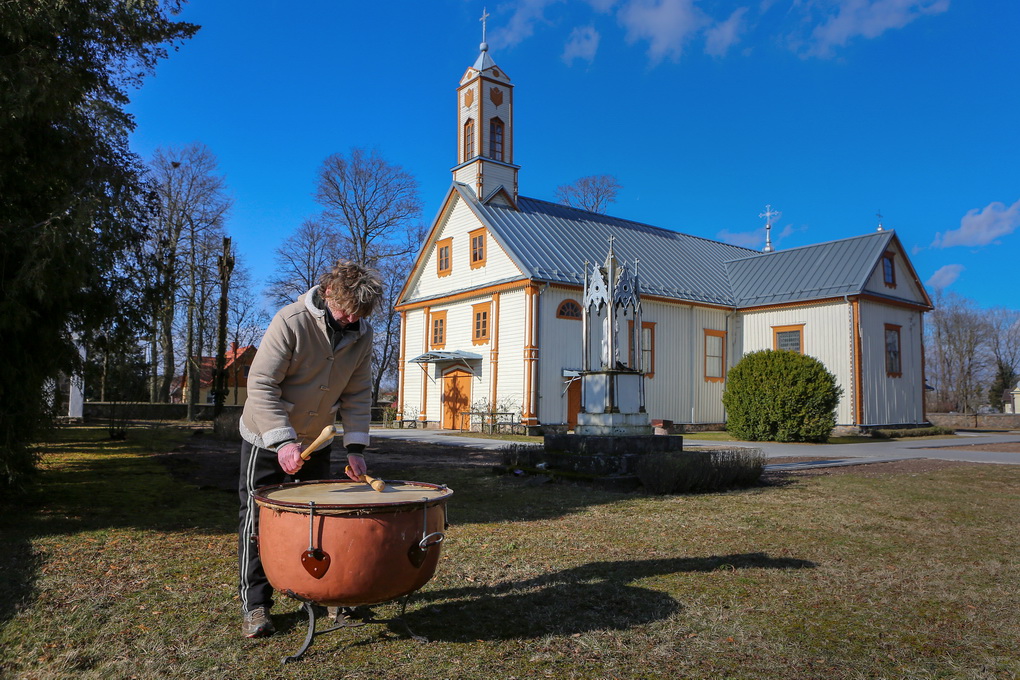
[842,454]
[899,449]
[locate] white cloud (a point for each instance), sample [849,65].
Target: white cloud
[521,26]
[867,19]
[981,227]
[723,35]
[665,24]
[746,239]
[945,276]
[790,230]
[583,43]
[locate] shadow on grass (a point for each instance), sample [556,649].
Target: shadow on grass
[98,485]
[594,596]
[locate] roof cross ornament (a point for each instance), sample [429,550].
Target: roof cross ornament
[879,216]
[484,20]
[768,216]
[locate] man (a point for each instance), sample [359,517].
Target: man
[314,363]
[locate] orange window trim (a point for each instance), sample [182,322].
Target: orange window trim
[650,327]
[478,248]
[776,330]
[438,330]
[481,316]
[469,139]
[899,350]
[722,356]
[444,257]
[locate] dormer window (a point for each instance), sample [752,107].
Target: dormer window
[469,139]
[496,139]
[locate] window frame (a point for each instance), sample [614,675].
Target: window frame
[469,139]
[444,243]
[497,139]
[890,358]
[646,347]
[482,308]
[570,301]
[889,274]
[441,318]
[480,236]
[709,333]
[776,330]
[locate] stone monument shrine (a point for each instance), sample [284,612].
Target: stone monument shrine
[613,388]
[613,429]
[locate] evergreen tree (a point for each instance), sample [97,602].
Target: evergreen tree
[72,202]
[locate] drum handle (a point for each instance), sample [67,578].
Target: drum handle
[427,539]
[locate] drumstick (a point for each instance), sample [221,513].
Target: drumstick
[327,433]
[375,483]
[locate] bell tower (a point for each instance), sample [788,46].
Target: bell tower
[485,129]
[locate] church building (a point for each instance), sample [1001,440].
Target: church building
[491,313]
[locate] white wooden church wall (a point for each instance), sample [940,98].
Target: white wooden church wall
[560,343]
[678,390]
[510,380]
[460,223]
[826,337]
[906,287]
[414,345]
[891,400]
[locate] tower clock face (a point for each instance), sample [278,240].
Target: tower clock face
[469,98]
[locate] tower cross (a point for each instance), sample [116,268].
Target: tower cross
[769,214]
[484,20]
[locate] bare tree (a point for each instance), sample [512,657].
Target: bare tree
[191,202]
[593,193]
[247,321]
[373,205]
[300,260]
[957,353]
[1004,347]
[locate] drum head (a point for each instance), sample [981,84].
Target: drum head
[341,496]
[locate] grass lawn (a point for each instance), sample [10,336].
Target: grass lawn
[111,569]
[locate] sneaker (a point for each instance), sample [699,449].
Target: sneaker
[257,623]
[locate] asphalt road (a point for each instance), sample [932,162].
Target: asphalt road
[843,454]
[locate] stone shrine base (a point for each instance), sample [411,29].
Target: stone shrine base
[603,460]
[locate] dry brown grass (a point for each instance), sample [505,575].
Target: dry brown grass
[113,570]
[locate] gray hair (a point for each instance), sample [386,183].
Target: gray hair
[353,287]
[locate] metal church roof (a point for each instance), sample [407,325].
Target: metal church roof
[553,241]
[813,272]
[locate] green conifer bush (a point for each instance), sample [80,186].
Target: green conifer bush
[776,395]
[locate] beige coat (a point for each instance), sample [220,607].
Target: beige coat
[298,383]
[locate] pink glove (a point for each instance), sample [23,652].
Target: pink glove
[290,458]
[356,466]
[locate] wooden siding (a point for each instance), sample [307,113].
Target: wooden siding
[827,337]
[891,400]
[906,285]
[560,343]
[459,222]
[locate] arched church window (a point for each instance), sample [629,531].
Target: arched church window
[496,139]
[569,309]
[469,139]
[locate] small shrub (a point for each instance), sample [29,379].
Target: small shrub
[891,433]
[699,471]
[780,396]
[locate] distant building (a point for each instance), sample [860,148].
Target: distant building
[238,362]
[491,311]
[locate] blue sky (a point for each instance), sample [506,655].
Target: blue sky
[829,110]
